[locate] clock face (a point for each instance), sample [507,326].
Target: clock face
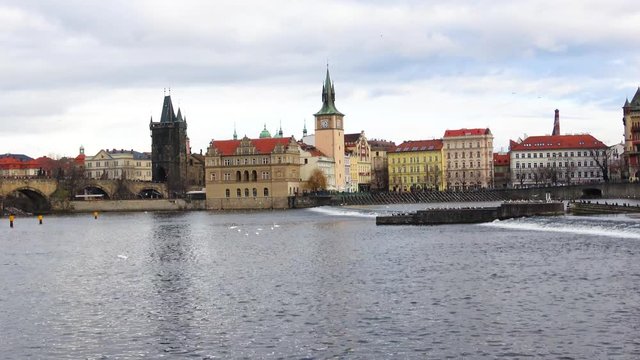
[324,124]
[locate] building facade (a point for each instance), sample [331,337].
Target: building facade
[416,166]
[501,170]
[468,159]
[379,164]
[310,159]
[631,122]
[557,160]
[357,146]
[170,149]
[252,173]
[329,132]
[118,164]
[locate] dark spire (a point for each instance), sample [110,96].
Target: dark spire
[168,115]
[235,134]
[328,98]
[635,102]
[304,129]
[556,124]
[626,103]
[179,116]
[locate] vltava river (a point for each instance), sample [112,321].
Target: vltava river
[318,283]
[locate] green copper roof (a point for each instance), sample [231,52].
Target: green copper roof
[328,98]
[265,133]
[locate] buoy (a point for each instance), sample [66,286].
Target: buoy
[11,218]
[40,219]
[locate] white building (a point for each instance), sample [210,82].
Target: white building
[119,164]
[557,160]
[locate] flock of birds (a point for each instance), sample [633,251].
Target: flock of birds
[257,231]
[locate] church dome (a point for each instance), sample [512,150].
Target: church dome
[265,133]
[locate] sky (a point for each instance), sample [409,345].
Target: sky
[93,73]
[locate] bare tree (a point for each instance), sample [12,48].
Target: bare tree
[601,158]
[317,181]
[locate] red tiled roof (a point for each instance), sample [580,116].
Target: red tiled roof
[501,159]
[467,132]
[263,146]
[550,142]
[419,145]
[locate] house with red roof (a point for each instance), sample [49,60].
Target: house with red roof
[557,160]
[501,170]
[311,158]
[252,173]
[468,159]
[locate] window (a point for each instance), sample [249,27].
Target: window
[266,191]
[212,176]
[265,175]
[255,192]
[227,162]
[228,193]
[246,192]
[265,160]
[238,193]
[227,176]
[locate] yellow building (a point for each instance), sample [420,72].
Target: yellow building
[416,165]
[252,173]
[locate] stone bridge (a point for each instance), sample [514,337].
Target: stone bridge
[38,193]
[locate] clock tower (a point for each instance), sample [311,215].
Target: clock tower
[329,136]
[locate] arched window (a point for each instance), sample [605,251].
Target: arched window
[238,176]
[228,193]
[238,192]
[246,192]
[246,176]
[255,192]
[266,191]
[254,175]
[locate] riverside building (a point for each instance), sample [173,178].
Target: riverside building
[468,159]
[416,166]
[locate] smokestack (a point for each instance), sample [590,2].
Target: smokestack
[556,124]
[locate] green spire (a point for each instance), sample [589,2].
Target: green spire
[235,134]
[328,98]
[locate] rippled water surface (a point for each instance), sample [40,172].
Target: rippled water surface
[318,283]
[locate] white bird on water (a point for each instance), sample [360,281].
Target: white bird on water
[123,257]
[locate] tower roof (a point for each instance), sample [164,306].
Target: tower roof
[265,134]
[635,102]
[328,98]
[168,115]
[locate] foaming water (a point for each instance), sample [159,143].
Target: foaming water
[609,226]
[344,211]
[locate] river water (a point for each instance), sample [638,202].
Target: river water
[318,283]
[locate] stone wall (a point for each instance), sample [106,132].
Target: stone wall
[130,205]
[247,203]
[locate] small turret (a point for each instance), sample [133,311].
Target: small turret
[235,134]
[304,129]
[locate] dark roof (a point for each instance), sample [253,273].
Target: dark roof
[550,142]
[351,138]
[328,98]
[419,145]
[168,115]
[635,102]
[19,157]
[381,145]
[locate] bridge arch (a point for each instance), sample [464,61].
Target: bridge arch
[95,191]
[28,199]
[591,193]
[149,193]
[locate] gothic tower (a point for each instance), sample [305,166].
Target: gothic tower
[169,149]
[329,136]
[631,122]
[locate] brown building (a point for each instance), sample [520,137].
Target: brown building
[252,173]
[501,170]
[380,164]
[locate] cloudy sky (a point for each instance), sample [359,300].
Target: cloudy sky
[92,73]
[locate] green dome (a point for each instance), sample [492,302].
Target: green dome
[265,133]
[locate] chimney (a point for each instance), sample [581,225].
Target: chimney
[556,124]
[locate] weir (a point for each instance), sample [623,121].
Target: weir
[473,215]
